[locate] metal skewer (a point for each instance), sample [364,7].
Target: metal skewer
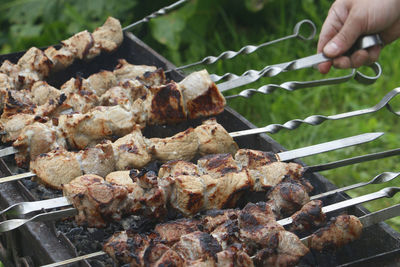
[248,49]
[386,192]
[273,70]
[296,85]
[318,119]
[366,220]
[282,156]
[153,15]
[379,179]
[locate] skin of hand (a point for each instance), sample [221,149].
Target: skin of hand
[349,19]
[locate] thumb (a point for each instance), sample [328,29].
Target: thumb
[345,38]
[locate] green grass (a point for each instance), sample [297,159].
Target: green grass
[222,25]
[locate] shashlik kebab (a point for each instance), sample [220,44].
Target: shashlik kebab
[80,95]
[36,64]
[123,179]
[193,97]
[135,151]
[121,246]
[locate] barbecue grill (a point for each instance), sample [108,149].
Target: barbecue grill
[38,243]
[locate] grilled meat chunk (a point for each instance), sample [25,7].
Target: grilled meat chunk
[131,151]
[82,130]
[186,193]
[182,146]
[254,159]
[42,92]
[201,95]
[308,217]
[287,251]
[218,164]
[287,198]
[213,139]
[126,248]
[126,71]
[267,176]
[178,167]
[197,245]
[60,167]
[170,232]
[338,232]
[167,104]
[106,38]
[36,139]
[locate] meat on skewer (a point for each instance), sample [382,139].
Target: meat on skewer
[218,238]
[36,64]
[164,105]
[182,186]
[121,87]
[81,95]
[131,151]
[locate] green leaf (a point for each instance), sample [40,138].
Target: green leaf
[167,30]
[255,5]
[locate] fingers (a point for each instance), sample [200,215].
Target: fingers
[347,35]
[357,59]
[333,23]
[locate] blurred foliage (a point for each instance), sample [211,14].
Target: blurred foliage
[208,27]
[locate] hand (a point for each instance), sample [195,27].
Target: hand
[349,19]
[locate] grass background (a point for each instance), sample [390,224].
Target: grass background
[208,27]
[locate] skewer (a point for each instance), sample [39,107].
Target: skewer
[388,192]
[248,49]
[366,220]
[318,119]
[282,156]
[155,14]
[273,70]
[23,208]
[296,85]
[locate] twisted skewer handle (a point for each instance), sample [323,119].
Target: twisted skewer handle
[153,15]
[248,49]
[295,85]
[318,119]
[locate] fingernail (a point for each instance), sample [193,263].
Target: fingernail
[331,48]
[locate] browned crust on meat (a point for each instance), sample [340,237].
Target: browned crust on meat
[210,103]
[167,105]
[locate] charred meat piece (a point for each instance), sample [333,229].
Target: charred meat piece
[218,164]
[127,248]
[214,218]
[254,159]
[130,151]
[170,232]
[178,167]
[103,201]
[201,95]
[308,217]
[287,251]
[197,245]
[267,176]
[338,232]
[287,198]
[167,104]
